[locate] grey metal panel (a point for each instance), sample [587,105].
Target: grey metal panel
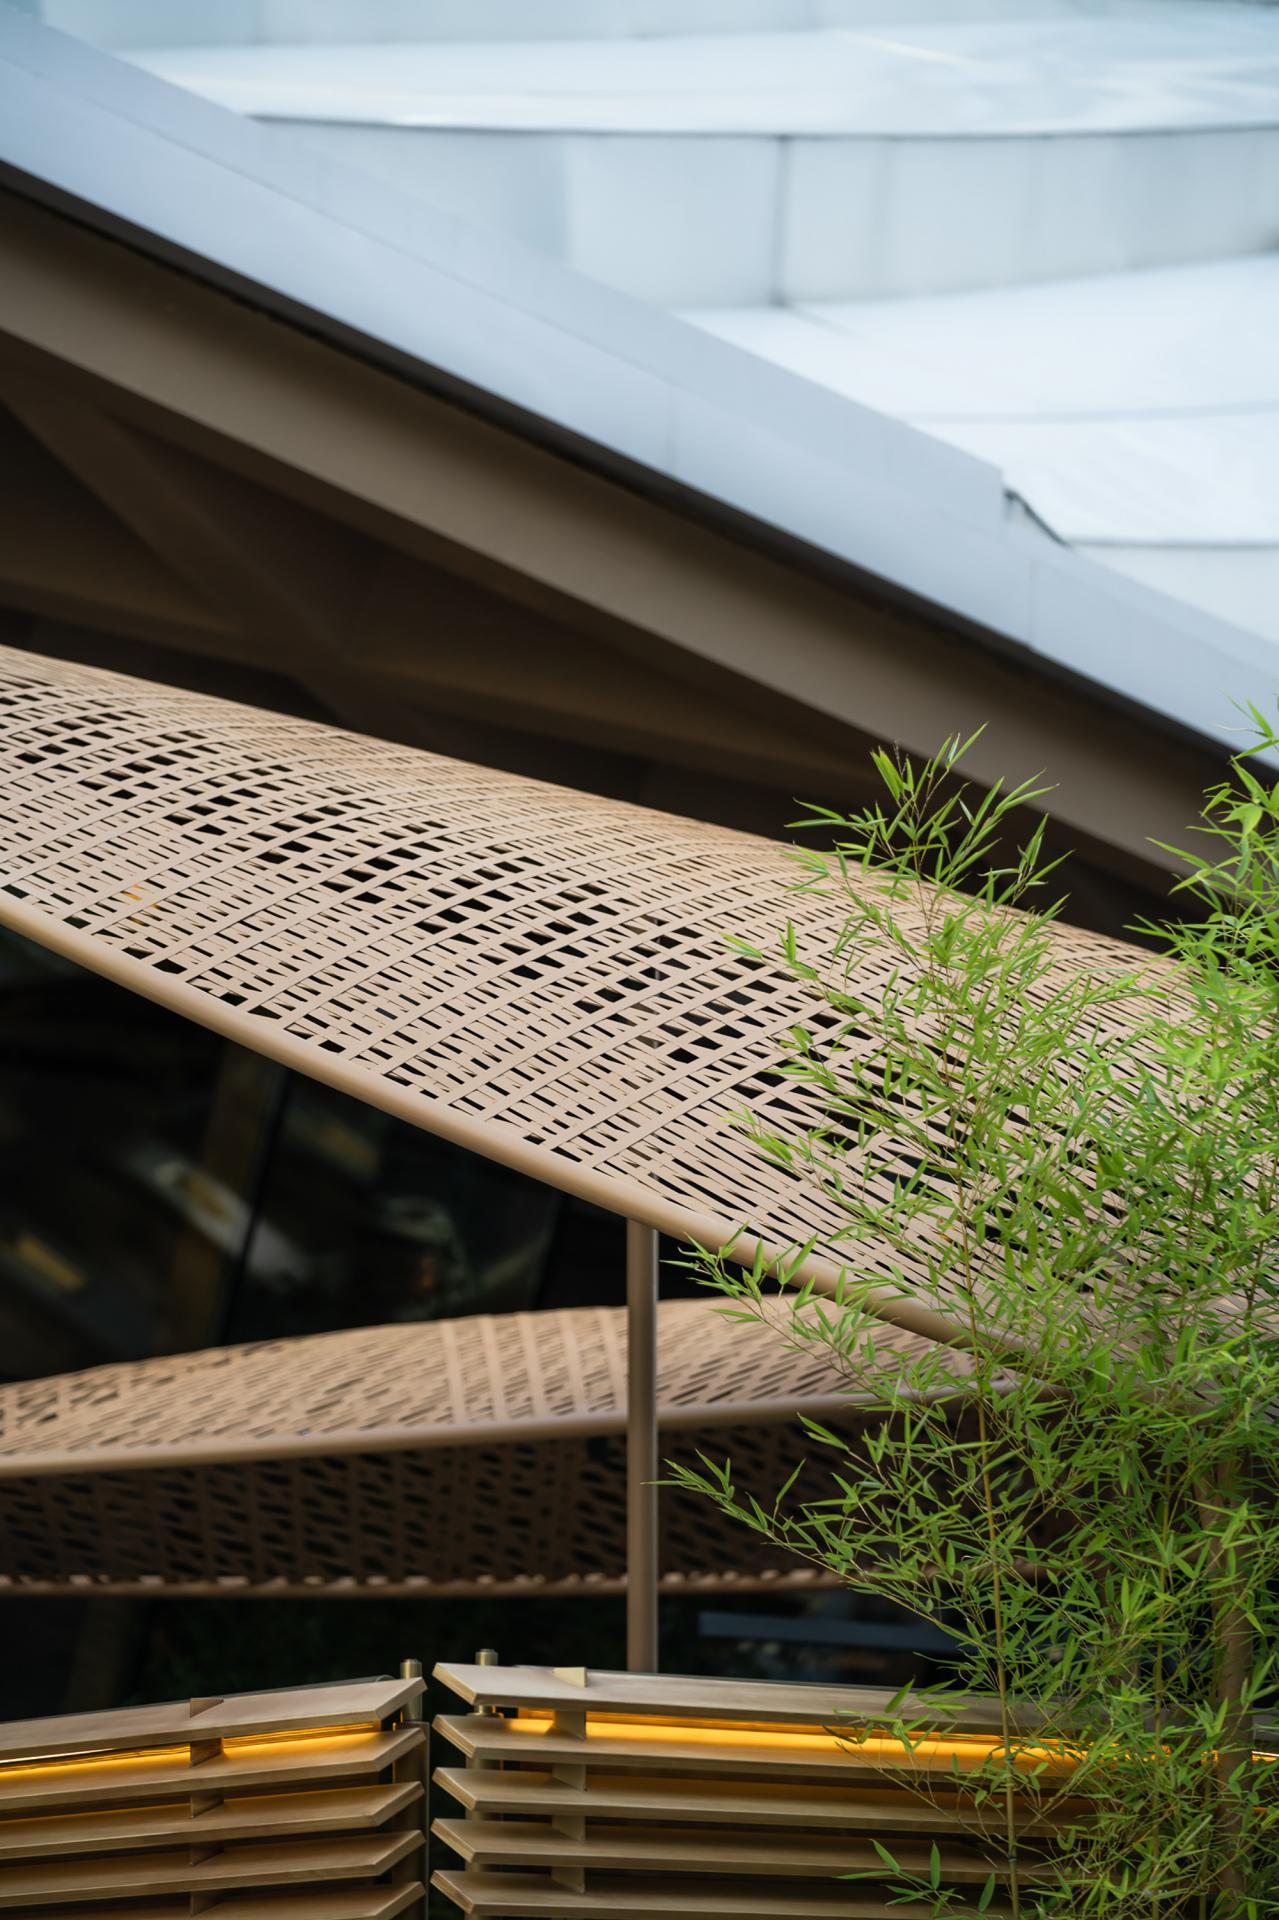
[244,204]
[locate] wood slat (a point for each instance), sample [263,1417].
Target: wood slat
[489,1740]
[642,1794]
[502,1896]
[497,1843]
[343,1810]
[341,1857]
[644,1695]
[160,1775]
[748,1803]
[365,1903]
[354,1903]
[347,1703]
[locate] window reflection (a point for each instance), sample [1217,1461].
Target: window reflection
[364,1219]
[129,1142]
[161,1189]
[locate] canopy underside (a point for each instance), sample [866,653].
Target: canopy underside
[475,1455]
[541,975]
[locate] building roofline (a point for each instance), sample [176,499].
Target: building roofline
[602,378]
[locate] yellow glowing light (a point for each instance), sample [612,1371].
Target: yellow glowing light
[68,1766]
[312,1741]
[968,1752]
[69,1763]
[964,1753]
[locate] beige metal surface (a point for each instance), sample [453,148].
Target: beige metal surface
[628,1746]
[357,1903]
[632,1697]
[518,1896]
[484,1453]
[325,1812]
[640,1794]
[410,1386]
[162,1775]
[246,1716]
[307,1801]
[689,1800]
[540,975]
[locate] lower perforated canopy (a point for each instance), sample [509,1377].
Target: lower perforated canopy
[477,1454]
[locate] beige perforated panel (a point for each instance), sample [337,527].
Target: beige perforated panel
[423,1384]
[485,1453]
[538,974]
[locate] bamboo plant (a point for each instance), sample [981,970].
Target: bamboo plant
[1079,1166]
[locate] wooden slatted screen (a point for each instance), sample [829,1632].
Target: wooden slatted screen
[269,1806]
[602,1795]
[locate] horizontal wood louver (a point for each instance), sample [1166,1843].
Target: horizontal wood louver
[608,1794]
[272,1806]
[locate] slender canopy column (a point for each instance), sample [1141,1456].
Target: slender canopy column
[641,1448]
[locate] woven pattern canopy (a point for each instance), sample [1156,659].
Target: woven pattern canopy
[411,1385]
[539,975]
[477,1454]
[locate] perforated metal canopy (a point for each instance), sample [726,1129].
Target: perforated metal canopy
[537,974]
[483,1454]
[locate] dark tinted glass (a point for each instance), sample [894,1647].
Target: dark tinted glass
[161,1189]
[364,1219]
[130,1144]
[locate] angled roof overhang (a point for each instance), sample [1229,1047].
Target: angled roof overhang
[481,1454]
[299,396]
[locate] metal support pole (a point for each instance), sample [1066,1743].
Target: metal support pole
[641,1448]
[414,1767]
[412,1670]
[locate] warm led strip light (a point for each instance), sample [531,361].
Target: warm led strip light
[239,1746]
[964,1753]
[932,1750]
[313,1740]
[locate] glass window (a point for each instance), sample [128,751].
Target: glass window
[364,1219]
[161,1189]
[130,1143]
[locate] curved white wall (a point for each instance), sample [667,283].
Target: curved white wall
[753,167]
[866,218]
[229,23]
[748,220]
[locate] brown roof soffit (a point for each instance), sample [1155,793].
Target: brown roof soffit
[652,565]
[536,428]
[645,482]
[89,136]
